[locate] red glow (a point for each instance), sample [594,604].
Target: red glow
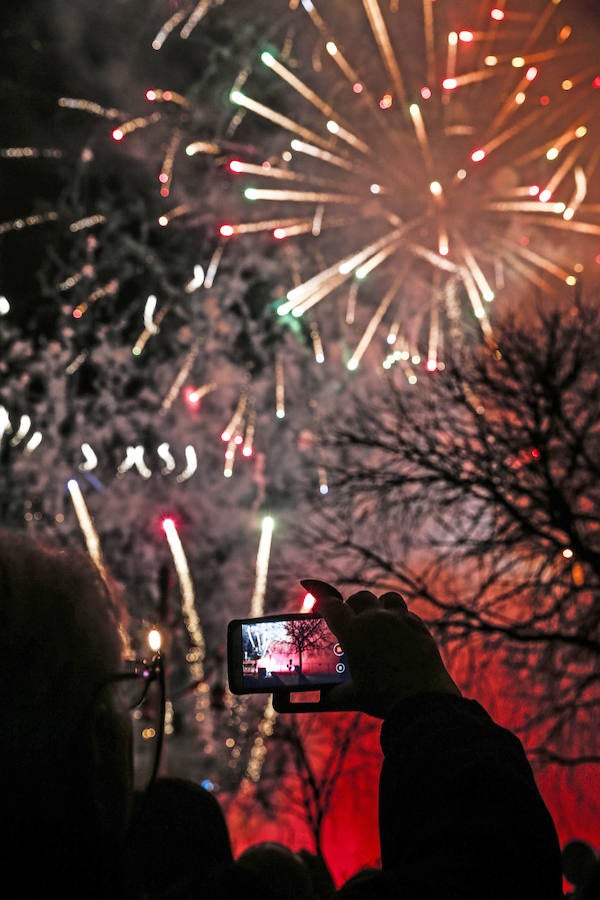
[478,155]
[77,314]
[545,100]
[357,87]
[164,192]
[191,397]
[167,523]
[596,82]
[167,95]
[497,14]
[535,453]
[235,165]
[226,230]
[117,134]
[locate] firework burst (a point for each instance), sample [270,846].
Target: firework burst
[437,157]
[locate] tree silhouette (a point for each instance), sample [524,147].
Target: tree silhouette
[477,493]
[304,635]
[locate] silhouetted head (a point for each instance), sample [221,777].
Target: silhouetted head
[178,837]
[282,872]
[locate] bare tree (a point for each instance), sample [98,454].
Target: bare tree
[312,758]
[477,493]
[303,635]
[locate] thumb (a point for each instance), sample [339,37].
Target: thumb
[330,605]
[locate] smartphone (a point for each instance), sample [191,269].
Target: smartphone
[284,655]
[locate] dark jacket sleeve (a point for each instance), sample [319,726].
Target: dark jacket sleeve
[460,813]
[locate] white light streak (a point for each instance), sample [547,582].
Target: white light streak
[134,458]
[192,620]
[262,567]
[87,527]
[91,460]
[191,464]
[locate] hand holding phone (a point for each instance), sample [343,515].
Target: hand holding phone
[390,650]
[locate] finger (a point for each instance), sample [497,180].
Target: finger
[393,601]
[361,601]
[320,589]
[330,604]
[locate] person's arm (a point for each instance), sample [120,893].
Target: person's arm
[459,808]
[460,813]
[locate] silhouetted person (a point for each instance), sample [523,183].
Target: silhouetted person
[281,873]
[178,840]
[460,815]
[579,863]
[367,884]
[65,741]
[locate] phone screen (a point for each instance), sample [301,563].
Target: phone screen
[288,653]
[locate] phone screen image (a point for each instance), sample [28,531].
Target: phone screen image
[291,653]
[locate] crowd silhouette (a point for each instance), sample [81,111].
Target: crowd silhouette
[460,816]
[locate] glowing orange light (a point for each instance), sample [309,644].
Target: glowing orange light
[478,155]
[386,101]
[226,230]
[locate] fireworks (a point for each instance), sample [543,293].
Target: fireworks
[433,164]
